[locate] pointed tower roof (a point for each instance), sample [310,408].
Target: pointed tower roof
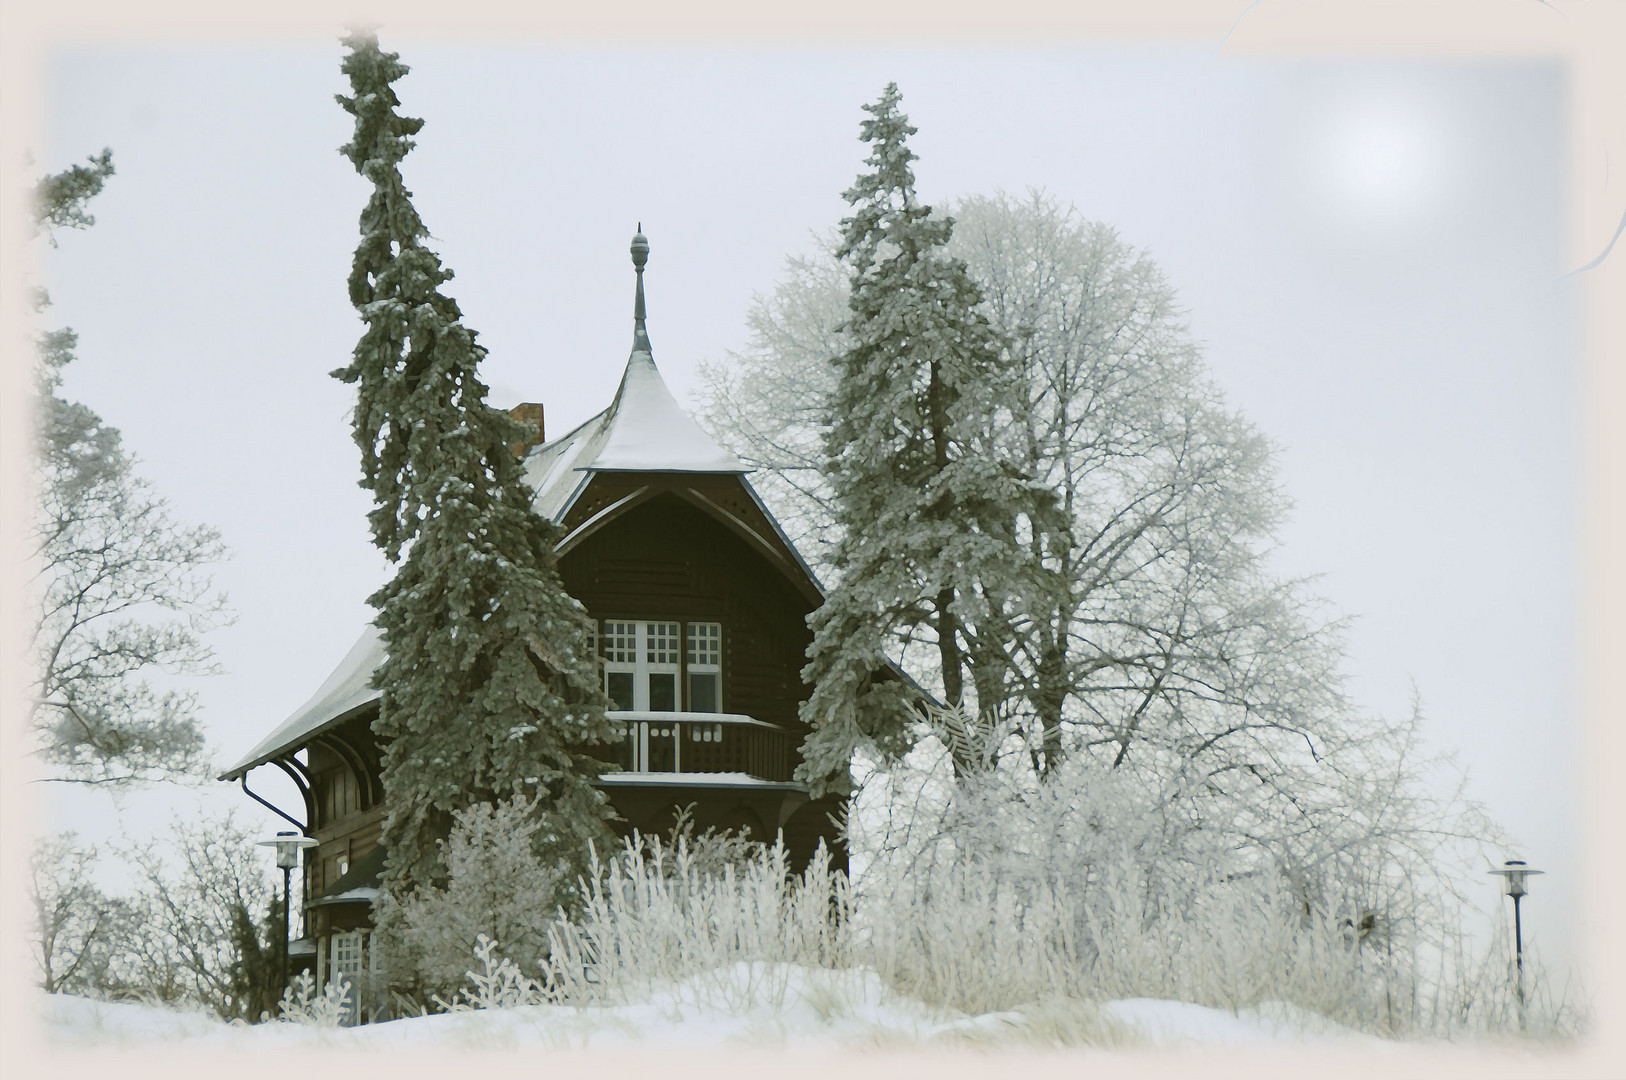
[645,429]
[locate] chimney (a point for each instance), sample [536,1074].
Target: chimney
[529,412]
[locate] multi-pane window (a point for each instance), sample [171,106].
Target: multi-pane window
[346,954]
[642,669]
[705,666]
[621,663]
[661,662]
[620,642]
[345,966]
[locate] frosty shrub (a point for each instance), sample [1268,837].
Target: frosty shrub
[498,889]
[709,851]
[684,865]
[658,911]
[500,985]
[301,1004]
[991,891]
[1058,898]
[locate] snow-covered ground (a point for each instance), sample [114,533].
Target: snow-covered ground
[749,1004]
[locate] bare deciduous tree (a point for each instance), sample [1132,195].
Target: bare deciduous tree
[206,916]
[78,928]
[123,590]
[1153,607]
[198,927]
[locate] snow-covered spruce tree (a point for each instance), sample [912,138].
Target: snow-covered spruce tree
[489,689]
[926,506]
[124,589]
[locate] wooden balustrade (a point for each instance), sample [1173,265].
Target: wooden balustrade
[673,742]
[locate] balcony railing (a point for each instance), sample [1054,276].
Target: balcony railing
[688,742]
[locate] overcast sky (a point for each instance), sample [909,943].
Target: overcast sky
[1370,253]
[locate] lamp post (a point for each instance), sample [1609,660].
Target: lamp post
[1513,873]
[288,844]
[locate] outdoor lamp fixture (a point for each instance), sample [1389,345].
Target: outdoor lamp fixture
[1513,872]
[288,844]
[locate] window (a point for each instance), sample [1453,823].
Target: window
[621,663]
[347,954]
[642,671]
[661,663]
[345,949]
[705,666]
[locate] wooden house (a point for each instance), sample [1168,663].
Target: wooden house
[700,604]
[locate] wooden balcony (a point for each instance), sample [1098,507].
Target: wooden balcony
[700,743]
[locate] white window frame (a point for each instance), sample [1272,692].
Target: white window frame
[344,950]
[640,648]
[703,655]
[660,646]
[618,645]
[651,646]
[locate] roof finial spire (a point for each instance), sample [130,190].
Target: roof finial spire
[640,255]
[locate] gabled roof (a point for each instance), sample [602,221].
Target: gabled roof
[643,430]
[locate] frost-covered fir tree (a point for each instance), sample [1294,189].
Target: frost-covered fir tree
[489,689]
[926,506]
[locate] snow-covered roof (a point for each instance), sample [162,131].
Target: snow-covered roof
[554,469]
[645,430]
[366,895]
[346,689]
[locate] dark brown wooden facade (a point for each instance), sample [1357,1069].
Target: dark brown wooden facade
[684,548]
[665,558]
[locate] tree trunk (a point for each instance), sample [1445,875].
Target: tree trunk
[948,645]
[1050,691]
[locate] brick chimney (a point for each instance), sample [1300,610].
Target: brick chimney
[528,412]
